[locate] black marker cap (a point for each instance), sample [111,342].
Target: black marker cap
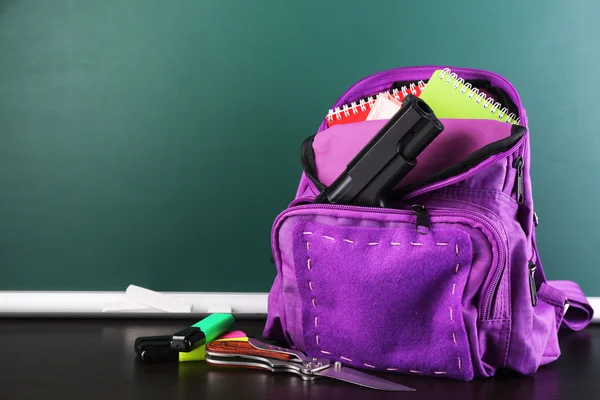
[188,339]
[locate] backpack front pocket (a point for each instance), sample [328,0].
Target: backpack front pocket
[384,298]
[372,289]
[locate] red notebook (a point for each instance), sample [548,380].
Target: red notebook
[357,111]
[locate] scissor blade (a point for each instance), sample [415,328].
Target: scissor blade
[360,378]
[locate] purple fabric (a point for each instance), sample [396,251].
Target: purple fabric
[336,146]
[479,273]
[385,306]
[580,312]
[384,297]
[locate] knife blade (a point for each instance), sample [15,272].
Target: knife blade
[337,371]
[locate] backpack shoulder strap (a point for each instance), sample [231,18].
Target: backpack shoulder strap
[580,312]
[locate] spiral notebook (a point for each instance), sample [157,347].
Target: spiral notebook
[358,111]
[450,97]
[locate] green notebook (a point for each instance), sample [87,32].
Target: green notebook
[450,97]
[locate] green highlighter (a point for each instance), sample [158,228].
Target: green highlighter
[202,332]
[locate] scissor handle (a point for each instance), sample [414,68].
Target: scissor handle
[252,353]
[245,348]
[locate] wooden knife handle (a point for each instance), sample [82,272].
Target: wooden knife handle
[245,348]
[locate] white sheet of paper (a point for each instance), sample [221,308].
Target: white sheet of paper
[384,108]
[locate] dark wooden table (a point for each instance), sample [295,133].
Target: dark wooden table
[93,359]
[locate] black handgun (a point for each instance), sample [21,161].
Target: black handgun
[388,157]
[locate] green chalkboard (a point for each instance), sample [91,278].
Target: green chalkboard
[154,142]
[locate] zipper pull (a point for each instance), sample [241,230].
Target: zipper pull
[422,218]
[518,164]
[532,287]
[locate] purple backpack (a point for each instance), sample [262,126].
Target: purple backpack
[375,290]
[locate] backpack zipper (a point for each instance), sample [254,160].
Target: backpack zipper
[421,223]
[422,219]
[518,165]
[458,178]
[532,286]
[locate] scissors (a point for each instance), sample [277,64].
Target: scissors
[252,353]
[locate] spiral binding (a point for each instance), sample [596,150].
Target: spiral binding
[449,76]
[354,106]
[465,87]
